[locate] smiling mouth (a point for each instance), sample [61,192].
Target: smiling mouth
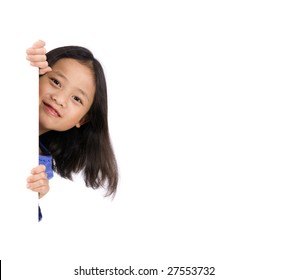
[50,110]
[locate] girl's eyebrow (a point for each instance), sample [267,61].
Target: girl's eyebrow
[65,78]
[61,75]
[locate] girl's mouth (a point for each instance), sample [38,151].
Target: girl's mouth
[50,110]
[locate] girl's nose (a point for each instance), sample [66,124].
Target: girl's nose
[60,100]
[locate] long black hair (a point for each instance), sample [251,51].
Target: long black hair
[88,148]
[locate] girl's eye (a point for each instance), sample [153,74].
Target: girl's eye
[56,82]
[76,98]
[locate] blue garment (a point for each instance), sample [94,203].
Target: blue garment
[47,160]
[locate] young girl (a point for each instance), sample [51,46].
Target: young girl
[73,122]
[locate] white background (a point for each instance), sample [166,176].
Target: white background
[197,115]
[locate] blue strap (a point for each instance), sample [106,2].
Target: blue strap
[46,160]
[43,148]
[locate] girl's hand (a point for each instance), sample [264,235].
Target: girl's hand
[37,57]
[38,181]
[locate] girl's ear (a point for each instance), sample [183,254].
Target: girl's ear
[82,121]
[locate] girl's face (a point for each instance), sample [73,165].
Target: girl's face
[65,95]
